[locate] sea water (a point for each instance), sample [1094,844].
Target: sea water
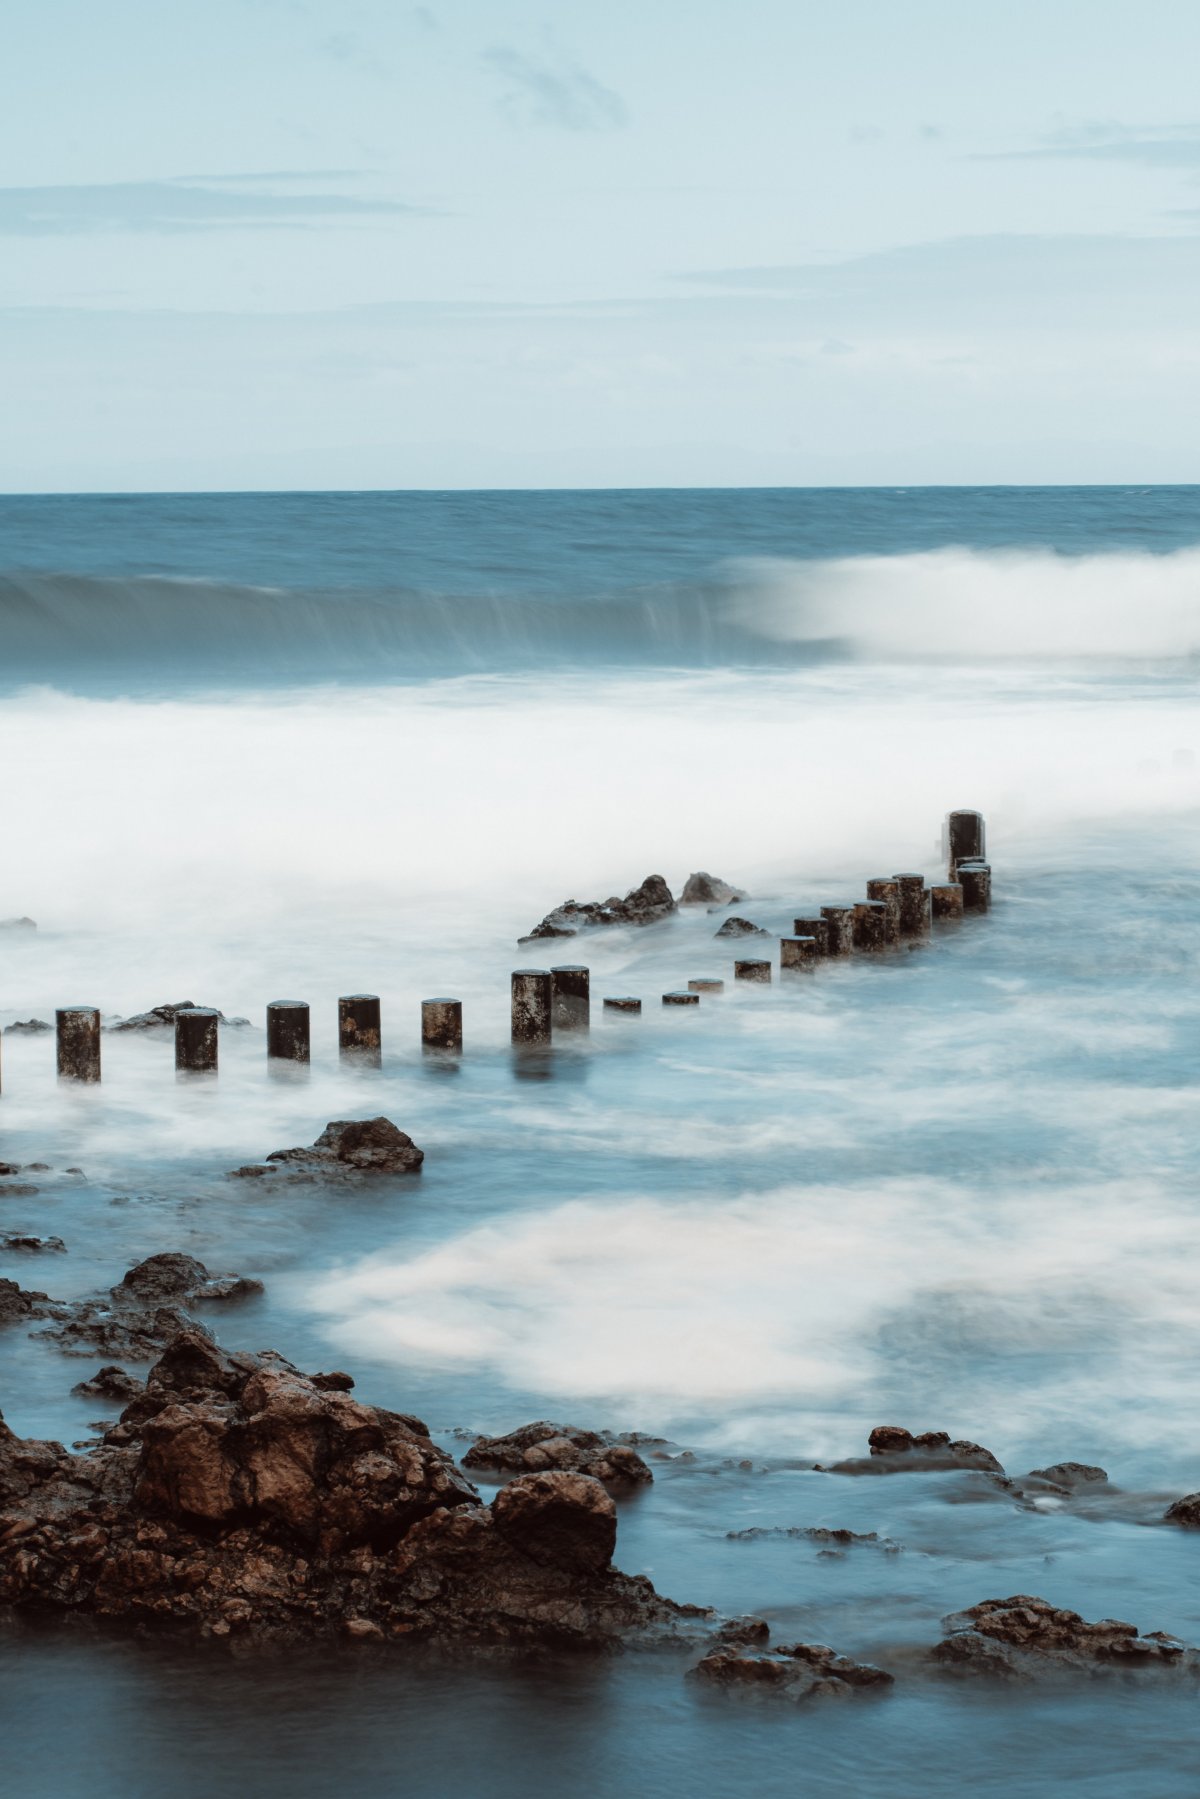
[264,746]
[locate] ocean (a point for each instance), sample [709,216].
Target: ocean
[303,745]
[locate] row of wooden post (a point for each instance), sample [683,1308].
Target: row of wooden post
[549,1000]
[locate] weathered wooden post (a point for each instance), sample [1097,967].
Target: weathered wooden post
[975,878]
[288,1030]
[78,1041]
[571,998]
[887,889]
[839,929]
[441,1024]
[817,928]
[870,924]
[752,970]
[947,900]
[681,998]
[196,1040]
[532,1005]
[706,984]
[798,952]
[914,905]
[966,839]
[622,1002]
[360,1036]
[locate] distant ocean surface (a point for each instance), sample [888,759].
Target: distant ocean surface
[318,744]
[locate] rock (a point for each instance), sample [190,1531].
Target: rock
[744,1633]
[337,1382]
[539,1446]
[1185,1511]
[16,1303]
[18,924]
[236,1497]
[346,1146]
[19,1190]
[646,904]
[1023,1638]
[27,1027]
[1067,1476]
[172,1276]
[827,1536]
[894,1450]
[32,1245]
[10,1168]
[162,1018]
[709,890]
[561,1520]
[740,927]
[110,1382]
[139,1316]
[797,1671]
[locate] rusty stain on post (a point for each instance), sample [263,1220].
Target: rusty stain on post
[78,1041]
[360,1031]
[441,1024]
[532,1003]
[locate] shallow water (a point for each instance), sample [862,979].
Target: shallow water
[952,1188]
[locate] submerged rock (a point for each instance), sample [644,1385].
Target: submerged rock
[110,1382]
[162,1018]
[17,1303]
[830,1537]
[894,1450]
[1024,1638]
[562,1446]
[1069,1477]
[147,1307]
[236,1496]
[796,1671]
[740,927]
[13,1240]
[346,1146]
[18,924]
[646,904]
[1185,1511]
[27,1027]
[709,890]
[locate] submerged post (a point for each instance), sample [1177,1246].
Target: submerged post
[975,878]
[196,1040]
[887,889]
[947,900]
[798,952]
[706,984]
[441,1024]
[360,1035]
[288,1030]
[870,924]
[817,928]
[78,1040]
[622,1002]
[532,1005]
[681,998]
[571,994]
[914,905]
[752,970]
[965,839]
[839,929]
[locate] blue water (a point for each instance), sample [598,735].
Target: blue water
[319,744]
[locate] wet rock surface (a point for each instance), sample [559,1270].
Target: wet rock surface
[162,1018]
[135,1318]
[27,1027]
[740,927]
[1185,1512]
[238,1497]
[894,1450]
[15,1241]
[709,890]
[346,1146]
[647,904]
[534,1447]
[17,1303]
[110,1382]
[1025,1638]
[831,1539]
[793,1671]
[1069,1477]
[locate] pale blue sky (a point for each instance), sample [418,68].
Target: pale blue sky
[299,243]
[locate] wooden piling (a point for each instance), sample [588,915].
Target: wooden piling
[706,984]
[798,952]
[966,839]
[887,889]
[571,998]
[196,1040]
[914,905]
[839,927]
[752,970]
[681,998]
[360,1036]
[532,1005]
[975,879]
[288,1030]
[947,899]
[77,1031]
[441,1024]
[870,924]
[622,1002]
[817,928]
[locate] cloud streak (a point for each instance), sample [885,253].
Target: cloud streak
[555,92]
[214,203]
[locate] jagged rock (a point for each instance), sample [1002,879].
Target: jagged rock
[13,1240]
[894,1450]
[347,1146]
[1068,1476]
[162,1018]
[744,1633]
[740,927]
[797,1671]
[17,1303]
[646,904]
[139,1316]
[237,1497]
[172,1276]
[18,924]
[27,1027]
[337,1382]
[534,1447]
[110,1382]
[1185,1511]
[709,890]
[1024,1638]
[828,1536]
[10,1168]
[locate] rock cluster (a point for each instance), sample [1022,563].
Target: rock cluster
[346,1146]
[27,1027]
[1023,1638]
[237,1496]
[796,1670]
[16,1240]
[539,1446]
[894,1450]
[709,890]
[646,904]
[162,1018]
[136,1317]
[740,927]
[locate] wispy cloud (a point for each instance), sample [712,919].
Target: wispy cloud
[553,90]
[210,203]
[1166,147]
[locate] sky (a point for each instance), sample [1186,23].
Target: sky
[365,244]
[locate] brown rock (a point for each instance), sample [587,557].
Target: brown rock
[564,1521]
[348,1146]
[797,1671]
[539,1446]
[1024,1638]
